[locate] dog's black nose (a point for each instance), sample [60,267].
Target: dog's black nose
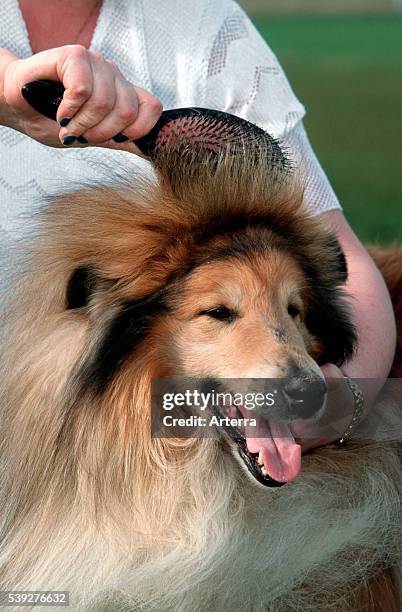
[305,391]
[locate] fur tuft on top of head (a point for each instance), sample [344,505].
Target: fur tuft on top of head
[135,222]
[201,195]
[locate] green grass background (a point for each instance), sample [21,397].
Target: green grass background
[347,71]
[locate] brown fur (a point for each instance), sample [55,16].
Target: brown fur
[87,497]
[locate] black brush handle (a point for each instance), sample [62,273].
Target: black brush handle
[45,97]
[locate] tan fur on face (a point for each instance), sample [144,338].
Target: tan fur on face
[262,340]
[91,504]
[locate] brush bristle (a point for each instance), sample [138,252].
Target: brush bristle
[211,131]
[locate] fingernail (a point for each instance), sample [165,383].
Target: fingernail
[65,121]
[67,140]
[82,140]
[120,138]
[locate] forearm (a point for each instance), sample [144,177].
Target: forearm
[374,320]
[371,310]
[375,324]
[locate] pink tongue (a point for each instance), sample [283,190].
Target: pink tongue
[273,439]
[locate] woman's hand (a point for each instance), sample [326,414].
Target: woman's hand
[339,410]
[337,415]
[98,104]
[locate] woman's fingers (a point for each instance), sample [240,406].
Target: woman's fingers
[98,104]
[336,417]
[115,110]
[123,113]
[149,111]
[74,70]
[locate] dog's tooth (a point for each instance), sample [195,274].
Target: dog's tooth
[263,471]
[260,460]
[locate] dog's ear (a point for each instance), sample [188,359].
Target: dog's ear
[124,333]
[342,265]
[81,286]
[329,319]
[340,268]
[330,315]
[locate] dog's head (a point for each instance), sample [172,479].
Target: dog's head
[216,273]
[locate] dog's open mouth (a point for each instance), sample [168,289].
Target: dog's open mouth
[267,449]
[254,465]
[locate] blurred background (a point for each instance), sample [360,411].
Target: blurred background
[344,61]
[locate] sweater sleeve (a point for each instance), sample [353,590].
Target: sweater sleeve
[319,195]
[241,75]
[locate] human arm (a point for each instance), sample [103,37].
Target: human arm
[374,320]
[371,306]
[368,297]
[373,317]
[369,301]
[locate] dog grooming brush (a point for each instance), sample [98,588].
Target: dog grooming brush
[199,128]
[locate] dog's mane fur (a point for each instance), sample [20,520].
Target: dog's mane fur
[89,503]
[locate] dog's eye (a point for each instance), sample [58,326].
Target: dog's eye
[221,313]
[293,311]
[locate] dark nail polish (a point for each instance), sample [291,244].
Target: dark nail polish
[67,140]
[82,140]
[120,138]
[65,121]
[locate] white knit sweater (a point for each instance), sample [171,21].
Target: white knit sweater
[186,52]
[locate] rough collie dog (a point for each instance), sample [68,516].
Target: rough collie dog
[215,271]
